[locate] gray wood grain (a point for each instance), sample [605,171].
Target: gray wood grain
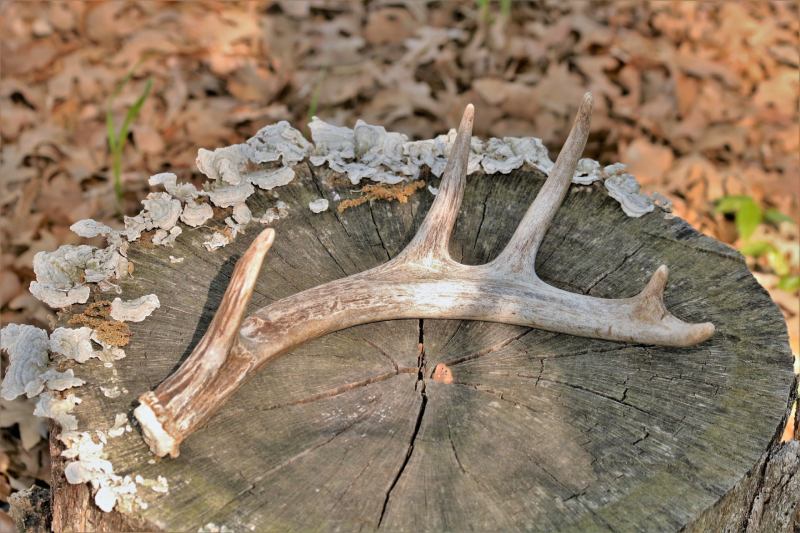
[538,431]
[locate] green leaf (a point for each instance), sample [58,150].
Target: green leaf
[732,204]
[777,261]
[748,217]
[789,283]
[132,113]
[757,248]
[111,130]
[776,217]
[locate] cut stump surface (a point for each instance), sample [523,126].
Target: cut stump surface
[454,425]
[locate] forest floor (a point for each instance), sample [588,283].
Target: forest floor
[700,100]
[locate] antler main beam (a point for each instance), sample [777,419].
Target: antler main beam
[423,281]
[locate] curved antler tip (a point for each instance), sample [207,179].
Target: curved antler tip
[699,333]
[267,236]
[585,110]
[467,118]
[260,246]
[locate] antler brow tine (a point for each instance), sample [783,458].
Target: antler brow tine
[423,281]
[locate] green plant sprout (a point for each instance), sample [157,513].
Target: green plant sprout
[483,8]
[748,215]
[117,139]
[505,8]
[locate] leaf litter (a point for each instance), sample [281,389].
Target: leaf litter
[697,100]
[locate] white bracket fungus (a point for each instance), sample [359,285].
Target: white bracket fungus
[28,359]
[318,206]
[72,343]
[195,214]
[217,240]
[59,410]
[60,381]
[272,214]
[134,310]
[61,275]
[242,214]
[28,371]
[184,191]
[624,188]
[89,228]
[269,179]
[364,152]
[587,172]
[108,352]
[161,211]
[223,195]
[163,237]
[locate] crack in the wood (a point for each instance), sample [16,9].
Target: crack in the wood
[315,179]
[615,269]
[600,394]
[502,344]
[767,457]
[592,351]
[486,351]
[574,496]
[640,439]
[480,224]
[497,394]
[330,254]
[453,447]
[338,391]
[420,387]
[384,354]
[541,372]
[378,231]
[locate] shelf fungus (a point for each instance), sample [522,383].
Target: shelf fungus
[195,214]
[318,206]
[423,281]
[134,310]
[27,352]
[32,373]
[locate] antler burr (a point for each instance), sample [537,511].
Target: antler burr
[423,281]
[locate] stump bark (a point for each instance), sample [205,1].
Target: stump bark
[453,425]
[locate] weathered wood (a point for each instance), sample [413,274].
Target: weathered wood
[536,431]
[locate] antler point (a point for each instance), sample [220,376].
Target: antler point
[467,119]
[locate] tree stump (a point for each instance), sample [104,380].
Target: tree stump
[454,425]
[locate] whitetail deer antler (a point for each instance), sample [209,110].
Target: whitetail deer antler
[423,281]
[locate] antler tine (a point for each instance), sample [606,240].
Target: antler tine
[433,237]
[651,307]
[520,253]
[213,349]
